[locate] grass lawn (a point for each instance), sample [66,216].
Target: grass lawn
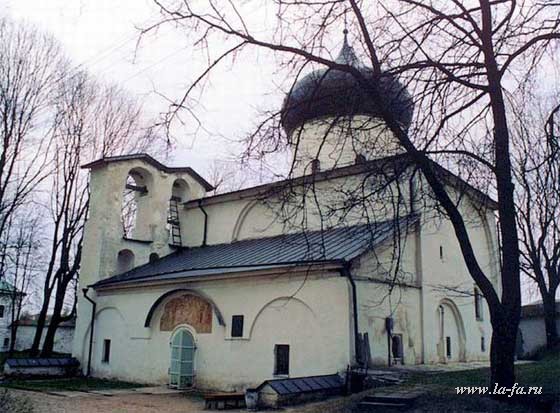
[442,395]
[69,384]
[545,373]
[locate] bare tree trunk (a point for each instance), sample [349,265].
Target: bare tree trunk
[502,353]
[56,318]
[41,321]
[550,315]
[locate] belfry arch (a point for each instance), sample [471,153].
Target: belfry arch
[135,206]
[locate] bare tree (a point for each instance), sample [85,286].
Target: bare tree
[458,61]
[229,175]
[20,263]
[92,121]
[30,63]
[537,172]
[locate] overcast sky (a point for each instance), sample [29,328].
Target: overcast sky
[101,36]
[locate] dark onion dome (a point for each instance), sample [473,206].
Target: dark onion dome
[331,92]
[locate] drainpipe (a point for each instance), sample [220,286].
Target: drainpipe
[345,272]
[93,307]
[205,222]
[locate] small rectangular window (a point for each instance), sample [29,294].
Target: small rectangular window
[282,359]
[1,311]
[477,304]
[482,344]
[6,342]
[448,346]
[106,351]
[237,326]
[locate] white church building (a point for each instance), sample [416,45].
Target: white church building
[226,291]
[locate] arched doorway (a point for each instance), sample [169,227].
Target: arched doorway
[181,368]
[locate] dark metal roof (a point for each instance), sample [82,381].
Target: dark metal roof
[331,92]
[313,247]
[150,160]
[331,382]
[43,362]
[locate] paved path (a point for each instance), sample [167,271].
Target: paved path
[427,368]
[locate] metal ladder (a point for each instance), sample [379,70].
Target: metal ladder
[173,220]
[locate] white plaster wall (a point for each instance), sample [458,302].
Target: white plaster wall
[62,340]
[103,237]
[317,313]
[317,326]
[443,275]
[104,234]
[336,143]
[534,333]
[378,298]
[5,321]
[324,208]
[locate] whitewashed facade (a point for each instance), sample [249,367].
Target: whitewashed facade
[312,313]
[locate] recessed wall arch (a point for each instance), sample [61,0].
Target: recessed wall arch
[492,255]
[241,219]
[98,313]
[125,261]
[278,300]
[178,291]
[447,303]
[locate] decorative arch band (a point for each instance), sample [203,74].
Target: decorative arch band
[168,294]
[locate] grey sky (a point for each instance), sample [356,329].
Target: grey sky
[101,36]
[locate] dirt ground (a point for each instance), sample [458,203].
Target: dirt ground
[156,403]
[122,403]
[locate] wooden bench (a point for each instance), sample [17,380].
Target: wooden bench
[223,401]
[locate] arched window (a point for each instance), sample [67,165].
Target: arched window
[134,202]
[153,257]
[125,261]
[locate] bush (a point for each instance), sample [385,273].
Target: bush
[9,403]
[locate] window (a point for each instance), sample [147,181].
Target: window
[482,344]
[397,346]
[1,311]
[477,304]
[6,342]
[282,359]
[448,346]
[360,158]
[441,252]
[106,351]
[237,326]
[315,166]
[153,257]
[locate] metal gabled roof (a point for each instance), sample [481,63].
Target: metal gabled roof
[296,385]
[314,247]
[43,362]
